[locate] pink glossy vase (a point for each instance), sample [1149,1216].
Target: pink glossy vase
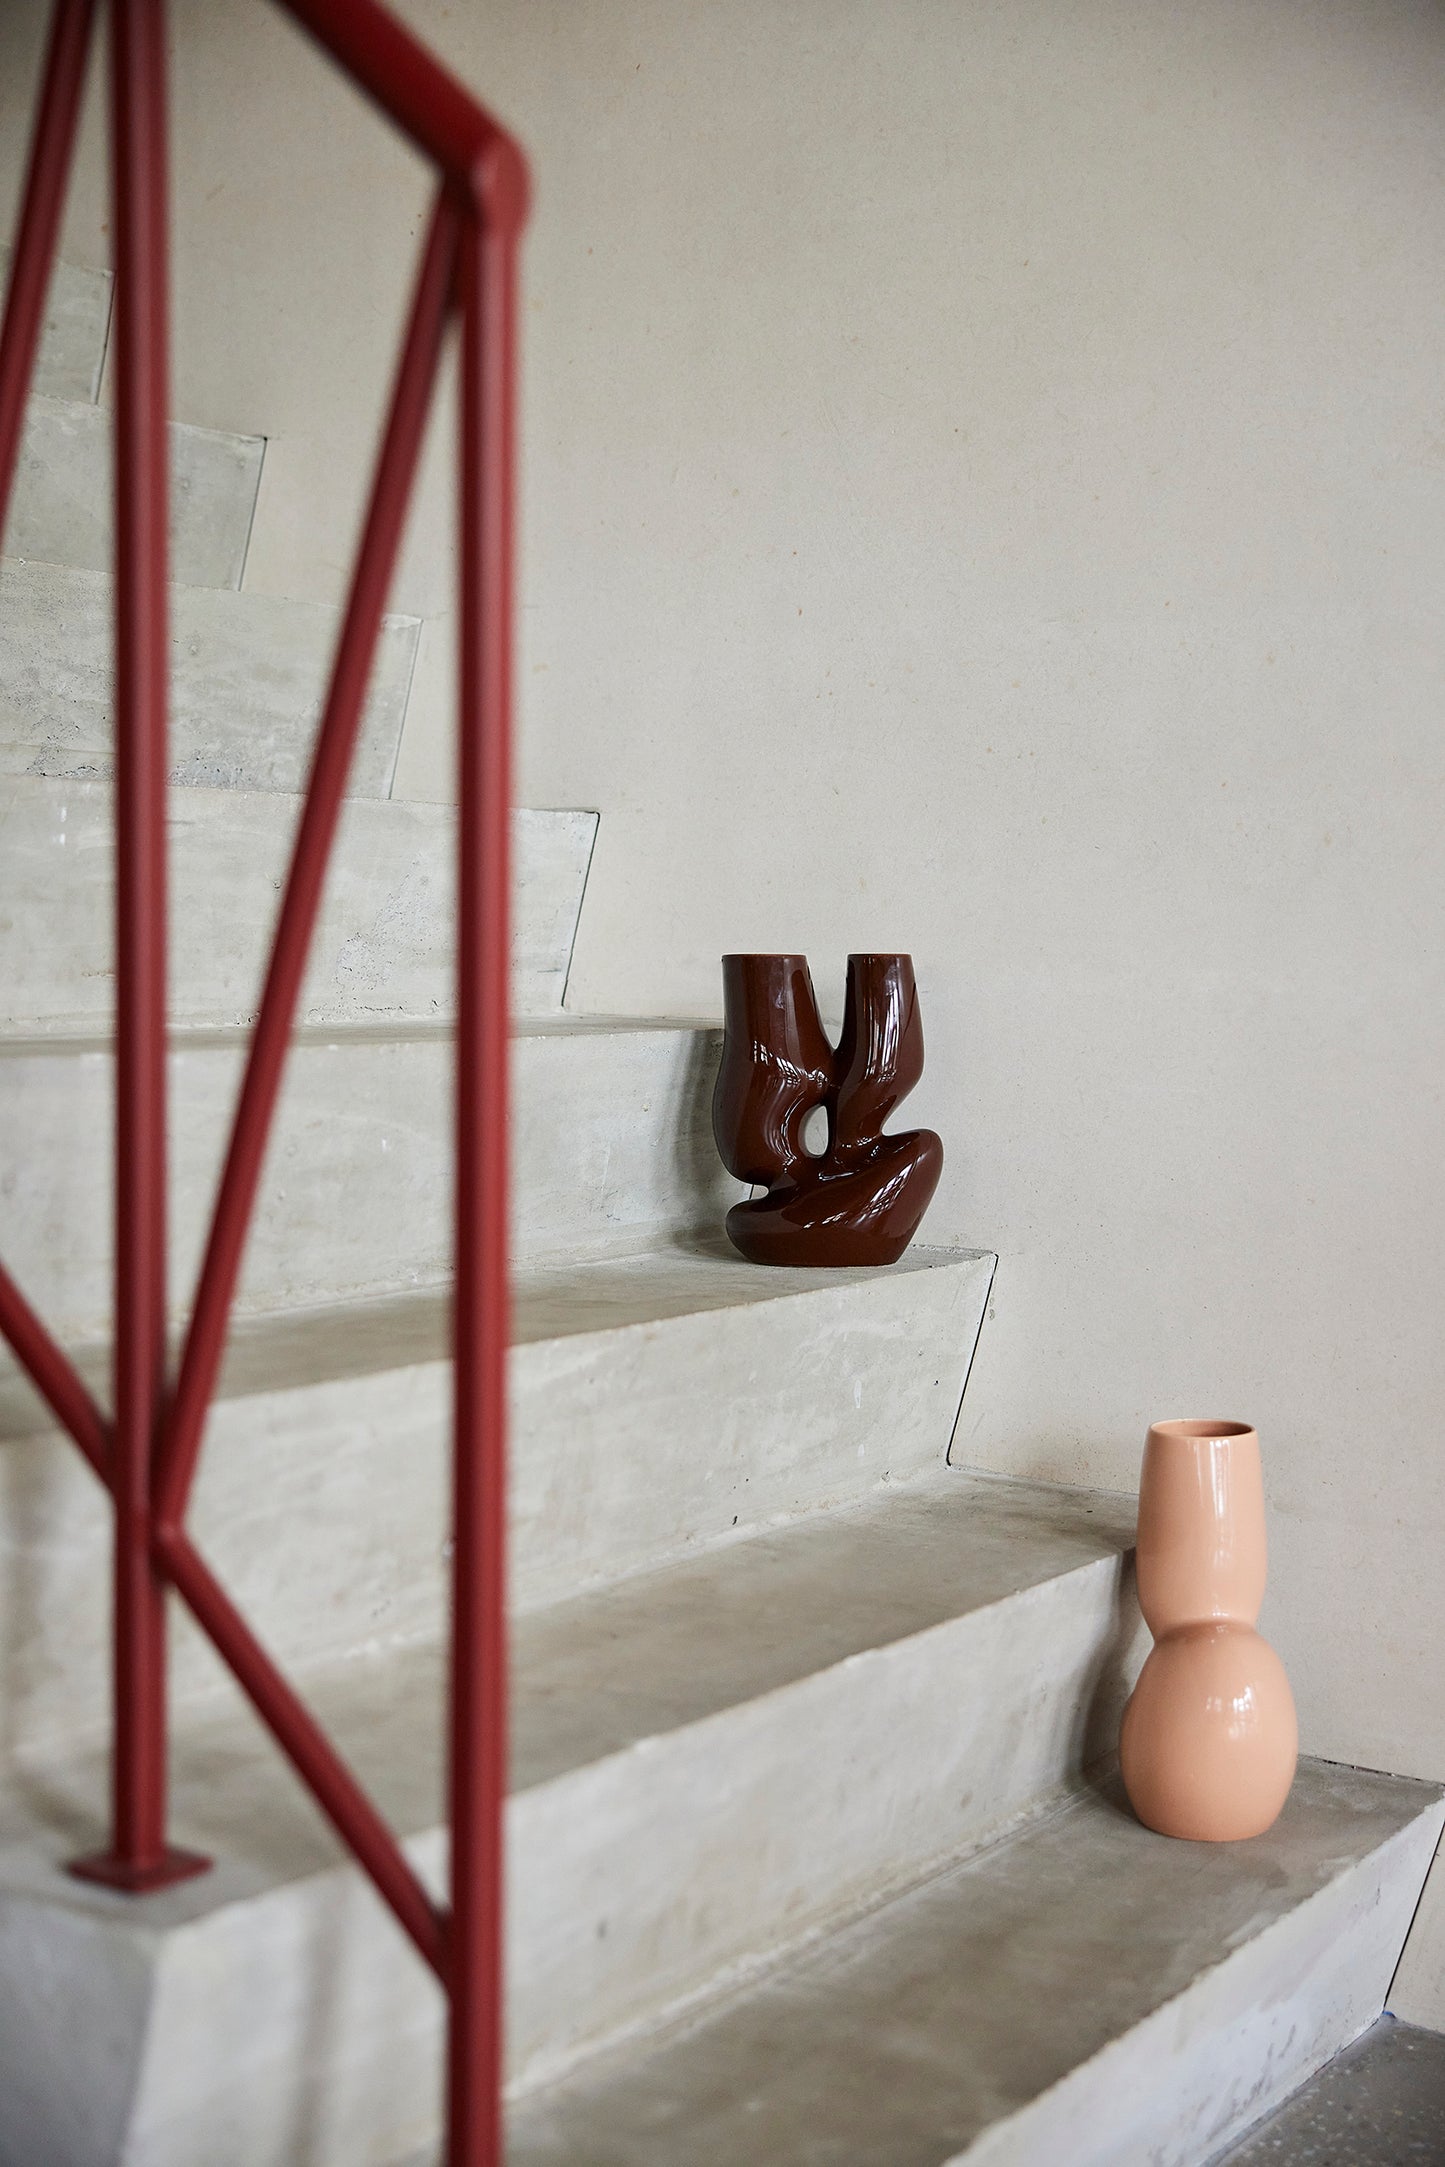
[1209,1739]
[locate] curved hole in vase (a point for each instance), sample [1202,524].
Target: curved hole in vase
[814,1132]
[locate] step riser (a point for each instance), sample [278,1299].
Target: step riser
[612,1142]
[385,946]
[1196,2074]
[709,1847]
[248,676]
[635,1446]
[60,511]
[77,324]
[325,1509]
[631,1883]
[183,2078]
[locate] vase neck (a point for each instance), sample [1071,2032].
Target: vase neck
[1201,1550]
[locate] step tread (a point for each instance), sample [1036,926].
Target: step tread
[614,1668]
[607,1293]
[899,2040]
[21,1043]
[68,405]
[638,1437]
[610,1670]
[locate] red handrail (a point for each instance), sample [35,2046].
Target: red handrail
[147,1453]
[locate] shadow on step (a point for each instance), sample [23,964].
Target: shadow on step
[1115,1669]
[704,1189]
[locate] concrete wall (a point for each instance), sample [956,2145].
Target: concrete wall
[985,493]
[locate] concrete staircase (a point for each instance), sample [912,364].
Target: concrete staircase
[814,1853]
[248,670]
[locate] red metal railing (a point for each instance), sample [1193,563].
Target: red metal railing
[147,1452]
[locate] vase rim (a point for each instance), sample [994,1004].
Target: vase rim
[857,955]
[1193,1431]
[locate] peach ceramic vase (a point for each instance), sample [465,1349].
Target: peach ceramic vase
[1209,1740]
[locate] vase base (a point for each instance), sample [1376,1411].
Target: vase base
[865,1215]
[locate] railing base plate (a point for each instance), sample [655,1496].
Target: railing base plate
[162,1873]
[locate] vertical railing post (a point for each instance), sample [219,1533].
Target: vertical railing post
[138,1857]
[478,1743]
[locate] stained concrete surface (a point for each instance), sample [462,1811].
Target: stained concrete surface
[384,947]
[634,1662]
[1379,2104]
[248,675]
[612,1147]
[644,1438]
[77,325]
[984,2016]
[995,2002]
[61,507]
[857,1742]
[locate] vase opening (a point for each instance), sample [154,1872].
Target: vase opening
[1187,1430]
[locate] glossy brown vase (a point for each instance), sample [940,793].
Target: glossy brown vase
[861,1200]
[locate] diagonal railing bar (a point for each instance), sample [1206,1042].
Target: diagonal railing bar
[52,146]
[321,1768]
[316,830]
[54,1376]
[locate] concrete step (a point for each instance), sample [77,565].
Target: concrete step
[248,671]
[612,1147]
[661,1404]
[1086,1992]
[77,325]
[708,1761]
[61,508]
[385,946]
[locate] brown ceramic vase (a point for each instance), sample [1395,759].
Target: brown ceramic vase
[1209,1739]
[859,1201]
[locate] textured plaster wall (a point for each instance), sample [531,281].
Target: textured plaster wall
[985,493]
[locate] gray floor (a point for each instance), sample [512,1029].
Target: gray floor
[1379,2104]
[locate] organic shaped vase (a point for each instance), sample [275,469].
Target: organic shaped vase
[860,1201]
[1209,1739]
